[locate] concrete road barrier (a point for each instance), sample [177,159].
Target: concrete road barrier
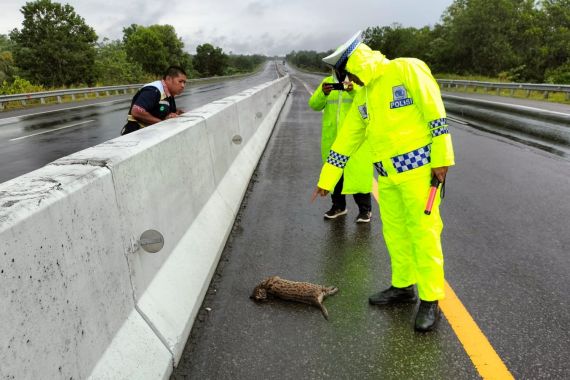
[79,298]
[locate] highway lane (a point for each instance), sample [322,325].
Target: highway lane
[506,245]
[32,138]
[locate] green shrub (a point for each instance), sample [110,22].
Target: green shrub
[19,86]
[559,75]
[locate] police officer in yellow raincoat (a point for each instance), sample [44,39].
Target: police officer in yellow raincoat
[399,111]
[358,173]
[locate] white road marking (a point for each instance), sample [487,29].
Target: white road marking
[307,88]
[51,130]
[305,85]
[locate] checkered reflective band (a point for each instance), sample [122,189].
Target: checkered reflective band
[347,53]
[439,131]
[438,127]
[438,123]
[380,169]
[337,159]
[412,160]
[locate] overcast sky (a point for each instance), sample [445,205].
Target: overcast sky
[267,27]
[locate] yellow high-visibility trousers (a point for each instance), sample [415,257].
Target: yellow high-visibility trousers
[412,238]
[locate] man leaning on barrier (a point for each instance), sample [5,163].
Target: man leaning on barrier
[399,111]
[154,102]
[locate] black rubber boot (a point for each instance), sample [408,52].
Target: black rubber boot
[394,295]
[428,316]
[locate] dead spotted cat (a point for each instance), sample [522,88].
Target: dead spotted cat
[304,292]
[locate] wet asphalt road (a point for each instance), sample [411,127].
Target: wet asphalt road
[32,138]
[506,243]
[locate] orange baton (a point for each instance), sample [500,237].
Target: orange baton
[432,191]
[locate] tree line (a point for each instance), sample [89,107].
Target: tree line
[512,40]
[56,48]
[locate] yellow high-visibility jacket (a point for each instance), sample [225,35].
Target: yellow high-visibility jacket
[399,110]
[358,172]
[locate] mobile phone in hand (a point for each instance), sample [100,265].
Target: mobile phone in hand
[337,86]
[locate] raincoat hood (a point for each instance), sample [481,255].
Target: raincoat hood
[366,64]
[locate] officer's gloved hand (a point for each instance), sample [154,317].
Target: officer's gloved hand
[327,88]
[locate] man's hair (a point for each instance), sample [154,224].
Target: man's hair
[174,71]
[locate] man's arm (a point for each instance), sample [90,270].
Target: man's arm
[140,114]
[318,100]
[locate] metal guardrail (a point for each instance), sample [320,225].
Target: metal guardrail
[545,88]
[108,90]
[59,94]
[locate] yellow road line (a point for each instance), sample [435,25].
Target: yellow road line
[480,351]
[474,342]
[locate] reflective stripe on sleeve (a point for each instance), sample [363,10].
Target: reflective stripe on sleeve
[337,159]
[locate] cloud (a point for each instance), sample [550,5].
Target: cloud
[257,8]
[268,27]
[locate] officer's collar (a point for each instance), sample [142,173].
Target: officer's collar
[165,88]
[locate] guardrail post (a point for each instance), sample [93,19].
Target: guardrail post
[59,99]
[42,100]
[498,91]
[568,95]
[1,106]
[527,93]
[107,93]
[23,101]
[72,96]
[545,94]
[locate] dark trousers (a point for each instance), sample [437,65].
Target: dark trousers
[131,126]
[339,200]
